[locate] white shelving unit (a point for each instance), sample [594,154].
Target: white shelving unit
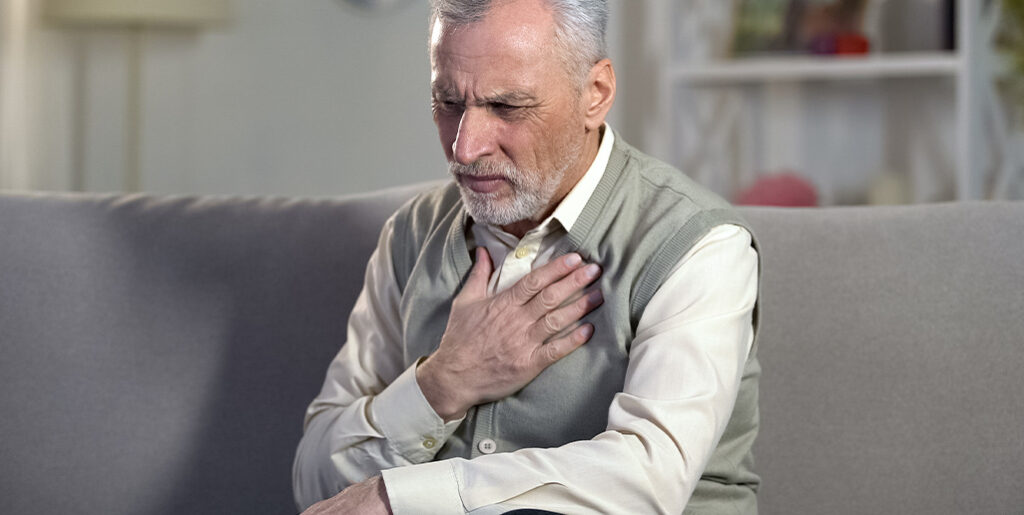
[769,69]
[946,102]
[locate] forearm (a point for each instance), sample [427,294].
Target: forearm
[326,462]
[641,470]
[369,414]
[345,443]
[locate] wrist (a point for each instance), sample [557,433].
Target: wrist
[443,398]
[382,493]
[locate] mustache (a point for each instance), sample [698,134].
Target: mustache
[507,171]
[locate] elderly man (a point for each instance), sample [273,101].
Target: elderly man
[568,326]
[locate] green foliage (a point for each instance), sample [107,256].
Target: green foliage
[760,26]
[1013,33]
[1011,41]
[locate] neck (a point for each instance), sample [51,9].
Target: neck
[572,176]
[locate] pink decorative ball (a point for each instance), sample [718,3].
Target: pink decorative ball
[783,189]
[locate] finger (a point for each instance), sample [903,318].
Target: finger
[534,282]
[559,348]
[479,276]
[558,294]
[556,321]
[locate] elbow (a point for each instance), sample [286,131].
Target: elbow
[314,477]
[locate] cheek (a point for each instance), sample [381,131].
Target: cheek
[535,146]
[518,146]
[447,130]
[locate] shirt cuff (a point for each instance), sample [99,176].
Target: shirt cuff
[404,416]
[427,488]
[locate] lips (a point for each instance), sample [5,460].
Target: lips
[483,183]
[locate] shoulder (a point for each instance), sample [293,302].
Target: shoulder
[428,206]
[661,190]
[424,212]
[416,221]
[662,215]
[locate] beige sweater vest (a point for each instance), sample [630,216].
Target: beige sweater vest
[642,218]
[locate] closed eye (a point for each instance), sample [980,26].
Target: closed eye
[503,109]
[446,106]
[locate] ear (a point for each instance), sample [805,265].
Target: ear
[599,93]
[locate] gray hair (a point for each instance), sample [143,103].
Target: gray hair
[580,27]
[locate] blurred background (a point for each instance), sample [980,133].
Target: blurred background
[786,102]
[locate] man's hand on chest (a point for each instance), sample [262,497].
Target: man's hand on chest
[494,346]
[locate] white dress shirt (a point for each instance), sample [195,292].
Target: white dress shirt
[371,415]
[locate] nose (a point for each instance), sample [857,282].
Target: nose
[476,136]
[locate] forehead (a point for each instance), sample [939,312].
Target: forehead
[513,44]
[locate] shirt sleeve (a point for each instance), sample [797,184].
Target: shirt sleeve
[370,413]
[661,432]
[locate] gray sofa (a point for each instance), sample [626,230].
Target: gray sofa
[157,353]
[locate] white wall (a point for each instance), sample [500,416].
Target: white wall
[303,98]
[298,98]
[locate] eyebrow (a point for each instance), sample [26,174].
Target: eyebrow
[511,97]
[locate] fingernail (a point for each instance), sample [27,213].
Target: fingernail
[596,297]
[592,270]
[573,259]
[587,331]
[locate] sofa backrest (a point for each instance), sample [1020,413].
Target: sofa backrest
[157,353]
[893,357]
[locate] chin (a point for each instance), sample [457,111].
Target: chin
[492,208]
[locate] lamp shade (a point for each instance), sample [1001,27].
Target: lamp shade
[173,13]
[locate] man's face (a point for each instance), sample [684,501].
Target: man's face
[510,119]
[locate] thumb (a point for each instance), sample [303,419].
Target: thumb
[479,276]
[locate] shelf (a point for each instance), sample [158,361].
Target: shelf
[802,68]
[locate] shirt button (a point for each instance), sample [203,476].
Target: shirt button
[521,252]
[429,443]
[487,446]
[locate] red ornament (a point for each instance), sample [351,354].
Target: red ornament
[852,44]
[783,189]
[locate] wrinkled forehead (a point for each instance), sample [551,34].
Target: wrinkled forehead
[518,29]
[476,60]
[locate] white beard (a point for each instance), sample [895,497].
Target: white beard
[532,190]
